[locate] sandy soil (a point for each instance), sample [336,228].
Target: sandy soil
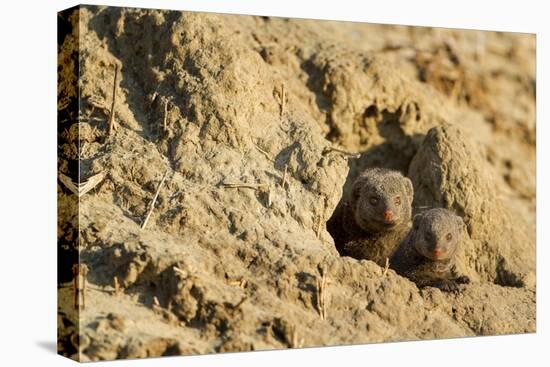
[213,99]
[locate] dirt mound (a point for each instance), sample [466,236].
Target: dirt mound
[450,171]
[241,117]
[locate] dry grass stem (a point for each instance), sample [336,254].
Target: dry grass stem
[386,267]
[236,185]
[152,205]
[266,154]
[342,151]
[156,301]
[165,122]
[112,125]
[283,99]
[239,283]
[154,97]
[322,295]
[283,182]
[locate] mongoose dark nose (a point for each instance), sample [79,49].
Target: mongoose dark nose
[388,215]
[438,252]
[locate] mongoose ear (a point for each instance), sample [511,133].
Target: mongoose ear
[416,221]
[356,188]
[409,189]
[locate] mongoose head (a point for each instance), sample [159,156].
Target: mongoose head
[436,233]
[381,199]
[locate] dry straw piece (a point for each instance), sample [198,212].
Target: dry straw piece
[386,267]
[152,205]
[283,182]
[236,185]
[347,154]
[83,187]
[165,123]
[112,125]
[156,302]
[264,153]
[283,99]
[322,294]
[239,283]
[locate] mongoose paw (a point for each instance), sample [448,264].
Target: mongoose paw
[463,280]
[446,285]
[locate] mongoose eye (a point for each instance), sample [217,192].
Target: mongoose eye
[427,236]
[373,200]
[397,200]
[449,236]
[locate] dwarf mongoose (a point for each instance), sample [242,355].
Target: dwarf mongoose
[427,254]
[376,216]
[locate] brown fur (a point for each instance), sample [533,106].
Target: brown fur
[415,258]
[360,226]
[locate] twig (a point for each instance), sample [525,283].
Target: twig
[239,283]
[283,99]
[154,97]
[283,183]
[321,294]
[236,185]
[264,153]
[341,151]
[386,267]
[156,301]
[152,205]
[164,124]
[112,126]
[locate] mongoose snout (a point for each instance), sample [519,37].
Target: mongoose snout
[388,216]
